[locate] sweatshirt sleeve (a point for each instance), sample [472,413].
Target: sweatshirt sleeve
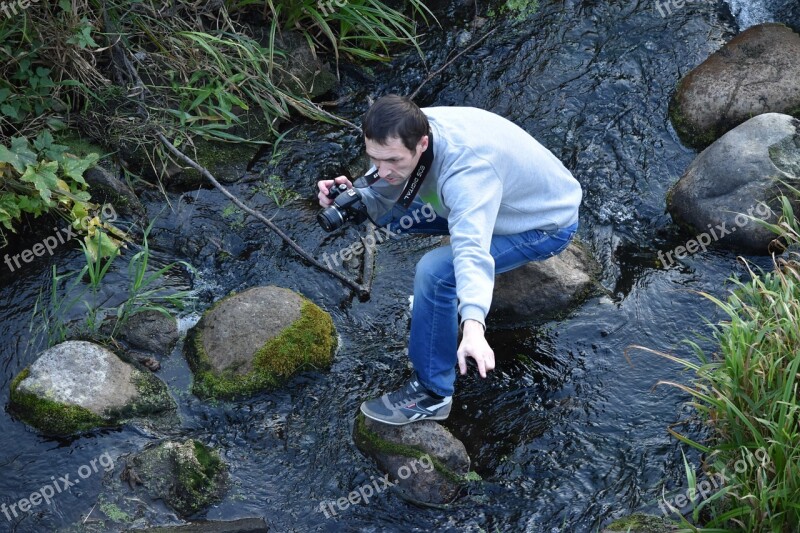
[473,196]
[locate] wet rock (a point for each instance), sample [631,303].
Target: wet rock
[424,461]
[641,523]
[543,289]
[303,72]
[244,525]
[755,73]
[187,475]
[251,341]
[737,174]
[107,188]
[151,331]
[77,386]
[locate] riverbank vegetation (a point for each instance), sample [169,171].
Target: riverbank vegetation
[114,72]
[748,395]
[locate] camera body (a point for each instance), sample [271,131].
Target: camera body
[347,206]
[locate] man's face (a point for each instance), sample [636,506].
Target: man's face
[393,160]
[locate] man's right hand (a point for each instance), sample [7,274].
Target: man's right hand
[325,187]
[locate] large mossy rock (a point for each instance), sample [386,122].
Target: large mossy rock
[736,176]
[756,72]
[542,290]
[188,476]
[426,463]
[252,341]
[77,386]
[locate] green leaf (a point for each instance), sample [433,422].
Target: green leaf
[43,177]
[20,155]
[32,204]
[4,94]
[10,111]
[101,246]
[9,209]
[74,167]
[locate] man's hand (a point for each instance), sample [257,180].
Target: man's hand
[473,344]
[325,187]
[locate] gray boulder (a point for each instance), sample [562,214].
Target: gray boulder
[736,176]
[423,460]
[755,73]
[543,289]
[253,340]
[187,476]
[77,386]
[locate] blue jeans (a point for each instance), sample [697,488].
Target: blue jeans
[434,319]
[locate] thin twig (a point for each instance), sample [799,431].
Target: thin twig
[450,62]
[369,258]
[360,290]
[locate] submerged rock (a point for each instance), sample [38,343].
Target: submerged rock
[251,341]
[188,476]
[543,289]
[755,73]
[736,176]
[422,460]
[151,331]
[77,386]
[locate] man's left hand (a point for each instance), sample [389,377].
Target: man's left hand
[473,344]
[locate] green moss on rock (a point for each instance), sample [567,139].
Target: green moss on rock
[188,476]
[641,523]
[52,418]
[689,134]
[369,440]
[308,343]
[55,418]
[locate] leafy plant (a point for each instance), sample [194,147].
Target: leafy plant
[144,293]
[41,176]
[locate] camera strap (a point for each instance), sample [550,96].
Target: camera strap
[417,176]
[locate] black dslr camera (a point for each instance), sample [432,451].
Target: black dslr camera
[347,206]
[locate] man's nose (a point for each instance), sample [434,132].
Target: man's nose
[383,171]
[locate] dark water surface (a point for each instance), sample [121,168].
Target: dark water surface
[565,433]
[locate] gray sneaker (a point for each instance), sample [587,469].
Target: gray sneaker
[411,403]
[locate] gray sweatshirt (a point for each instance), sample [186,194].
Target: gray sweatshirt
[488,177]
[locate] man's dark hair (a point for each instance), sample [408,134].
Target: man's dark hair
[395,116]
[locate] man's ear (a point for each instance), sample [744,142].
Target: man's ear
[422,145]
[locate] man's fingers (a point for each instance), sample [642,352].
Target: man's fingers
[481,366]
[490,361]
[462,363]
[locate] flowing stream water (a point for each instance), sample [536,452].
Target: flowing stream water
[565,433]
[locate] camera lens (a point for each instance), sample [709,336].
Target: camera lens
[330,219]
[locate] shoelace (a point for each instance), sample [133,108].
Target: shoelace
[403,395]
